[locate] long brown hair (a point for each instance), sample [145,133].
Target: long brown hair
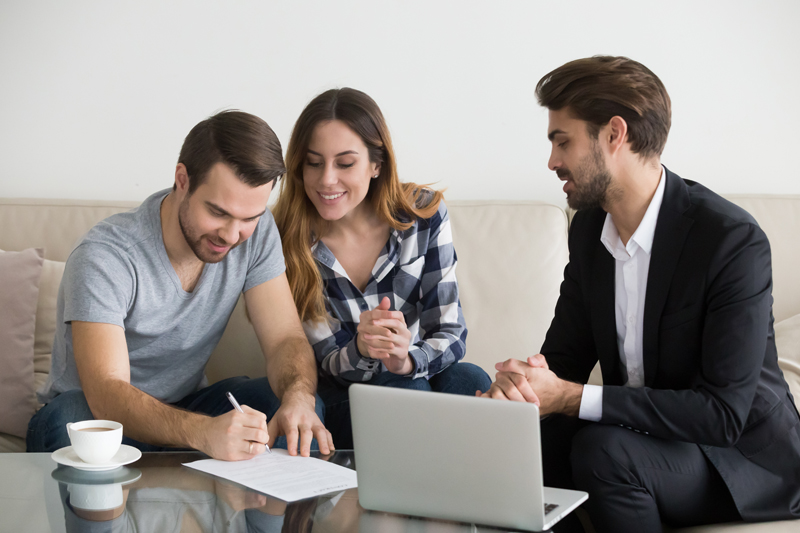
[300,226]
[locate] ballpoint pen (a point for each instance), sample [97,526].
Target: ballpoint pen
[238,407]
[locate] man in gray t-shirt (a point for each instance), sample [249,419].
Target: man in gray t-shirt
[146,296]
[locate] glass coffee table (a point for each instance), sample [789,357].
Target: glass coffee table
[157,494]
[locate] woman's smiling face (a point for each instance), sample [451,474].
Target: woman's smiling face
[337,170]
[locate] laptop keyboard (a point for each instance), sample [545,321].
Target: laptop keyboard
[549,507]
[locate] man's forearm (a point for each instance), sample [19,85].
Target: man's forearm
[291,368]
[143,417]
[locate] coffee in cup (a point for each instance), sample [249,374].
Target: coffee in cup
[95,441]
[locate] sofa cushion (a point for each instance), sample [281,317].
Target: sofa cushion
[11,444]
[19,291]
[511,258]
[787,339]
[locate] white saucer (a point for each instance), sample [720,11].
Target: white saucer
[67,456]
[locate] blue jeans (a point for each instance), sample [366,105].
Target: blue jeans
[459,378]
[47,431]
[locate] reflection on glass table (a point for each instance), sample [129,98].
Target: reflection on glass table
[96,496]
[158,494]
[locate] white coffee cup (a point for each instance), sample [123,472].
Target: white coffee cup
[95,441]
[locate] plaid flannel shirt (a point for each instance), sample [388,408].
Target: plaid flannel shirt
[417,271]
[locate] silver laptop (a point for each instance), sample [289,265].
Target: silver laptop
[453,457]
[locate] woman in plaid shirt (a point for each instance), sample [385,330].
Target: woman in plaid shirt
[370,261]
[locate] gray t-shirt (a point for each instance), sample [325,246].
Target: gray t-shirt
[119,273]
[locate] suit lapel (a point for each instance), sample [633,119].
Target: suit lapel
[604,324]
[672,229]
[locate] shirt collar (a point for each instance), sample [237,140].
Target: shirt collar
[644,234]
[323,255]
[646,231]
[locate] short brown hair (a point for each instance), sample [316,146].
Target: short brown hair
[242,141]
[596,89]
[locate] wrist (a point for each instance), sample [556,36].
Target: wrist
[410,367]
[571,395]
[299,395]
[361,348]
[195,431]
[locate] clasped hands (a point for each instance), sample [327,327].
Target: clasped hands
[532,381]
[383,335]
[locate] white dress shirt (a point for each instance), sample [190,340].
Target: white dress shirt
[632,263]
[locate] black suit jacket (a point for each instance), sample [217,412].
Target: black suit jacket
[710,364]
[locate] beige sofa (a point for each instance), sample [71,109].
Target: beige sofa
[511,259]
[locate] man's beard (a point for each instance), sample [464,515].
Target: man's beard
[194,241]
[592,188]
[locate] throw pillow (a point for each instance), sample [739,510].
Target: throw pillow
[19,291]
[787,339]
[49,282]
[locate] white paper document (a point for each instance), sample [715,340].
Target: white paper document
[280,475]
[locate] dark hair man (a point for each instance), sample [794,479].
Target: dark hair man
[146,296]
[668,286]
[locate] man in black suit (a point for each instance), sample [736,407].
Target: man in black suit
[668,286]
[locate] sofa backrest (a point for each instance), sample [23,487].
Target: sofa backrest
[521,243]
[54,225]
[511,259]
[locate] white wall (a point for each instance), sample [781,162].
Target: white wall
[96,96]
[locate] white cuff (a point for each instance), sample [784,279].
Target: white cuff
[591,403]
